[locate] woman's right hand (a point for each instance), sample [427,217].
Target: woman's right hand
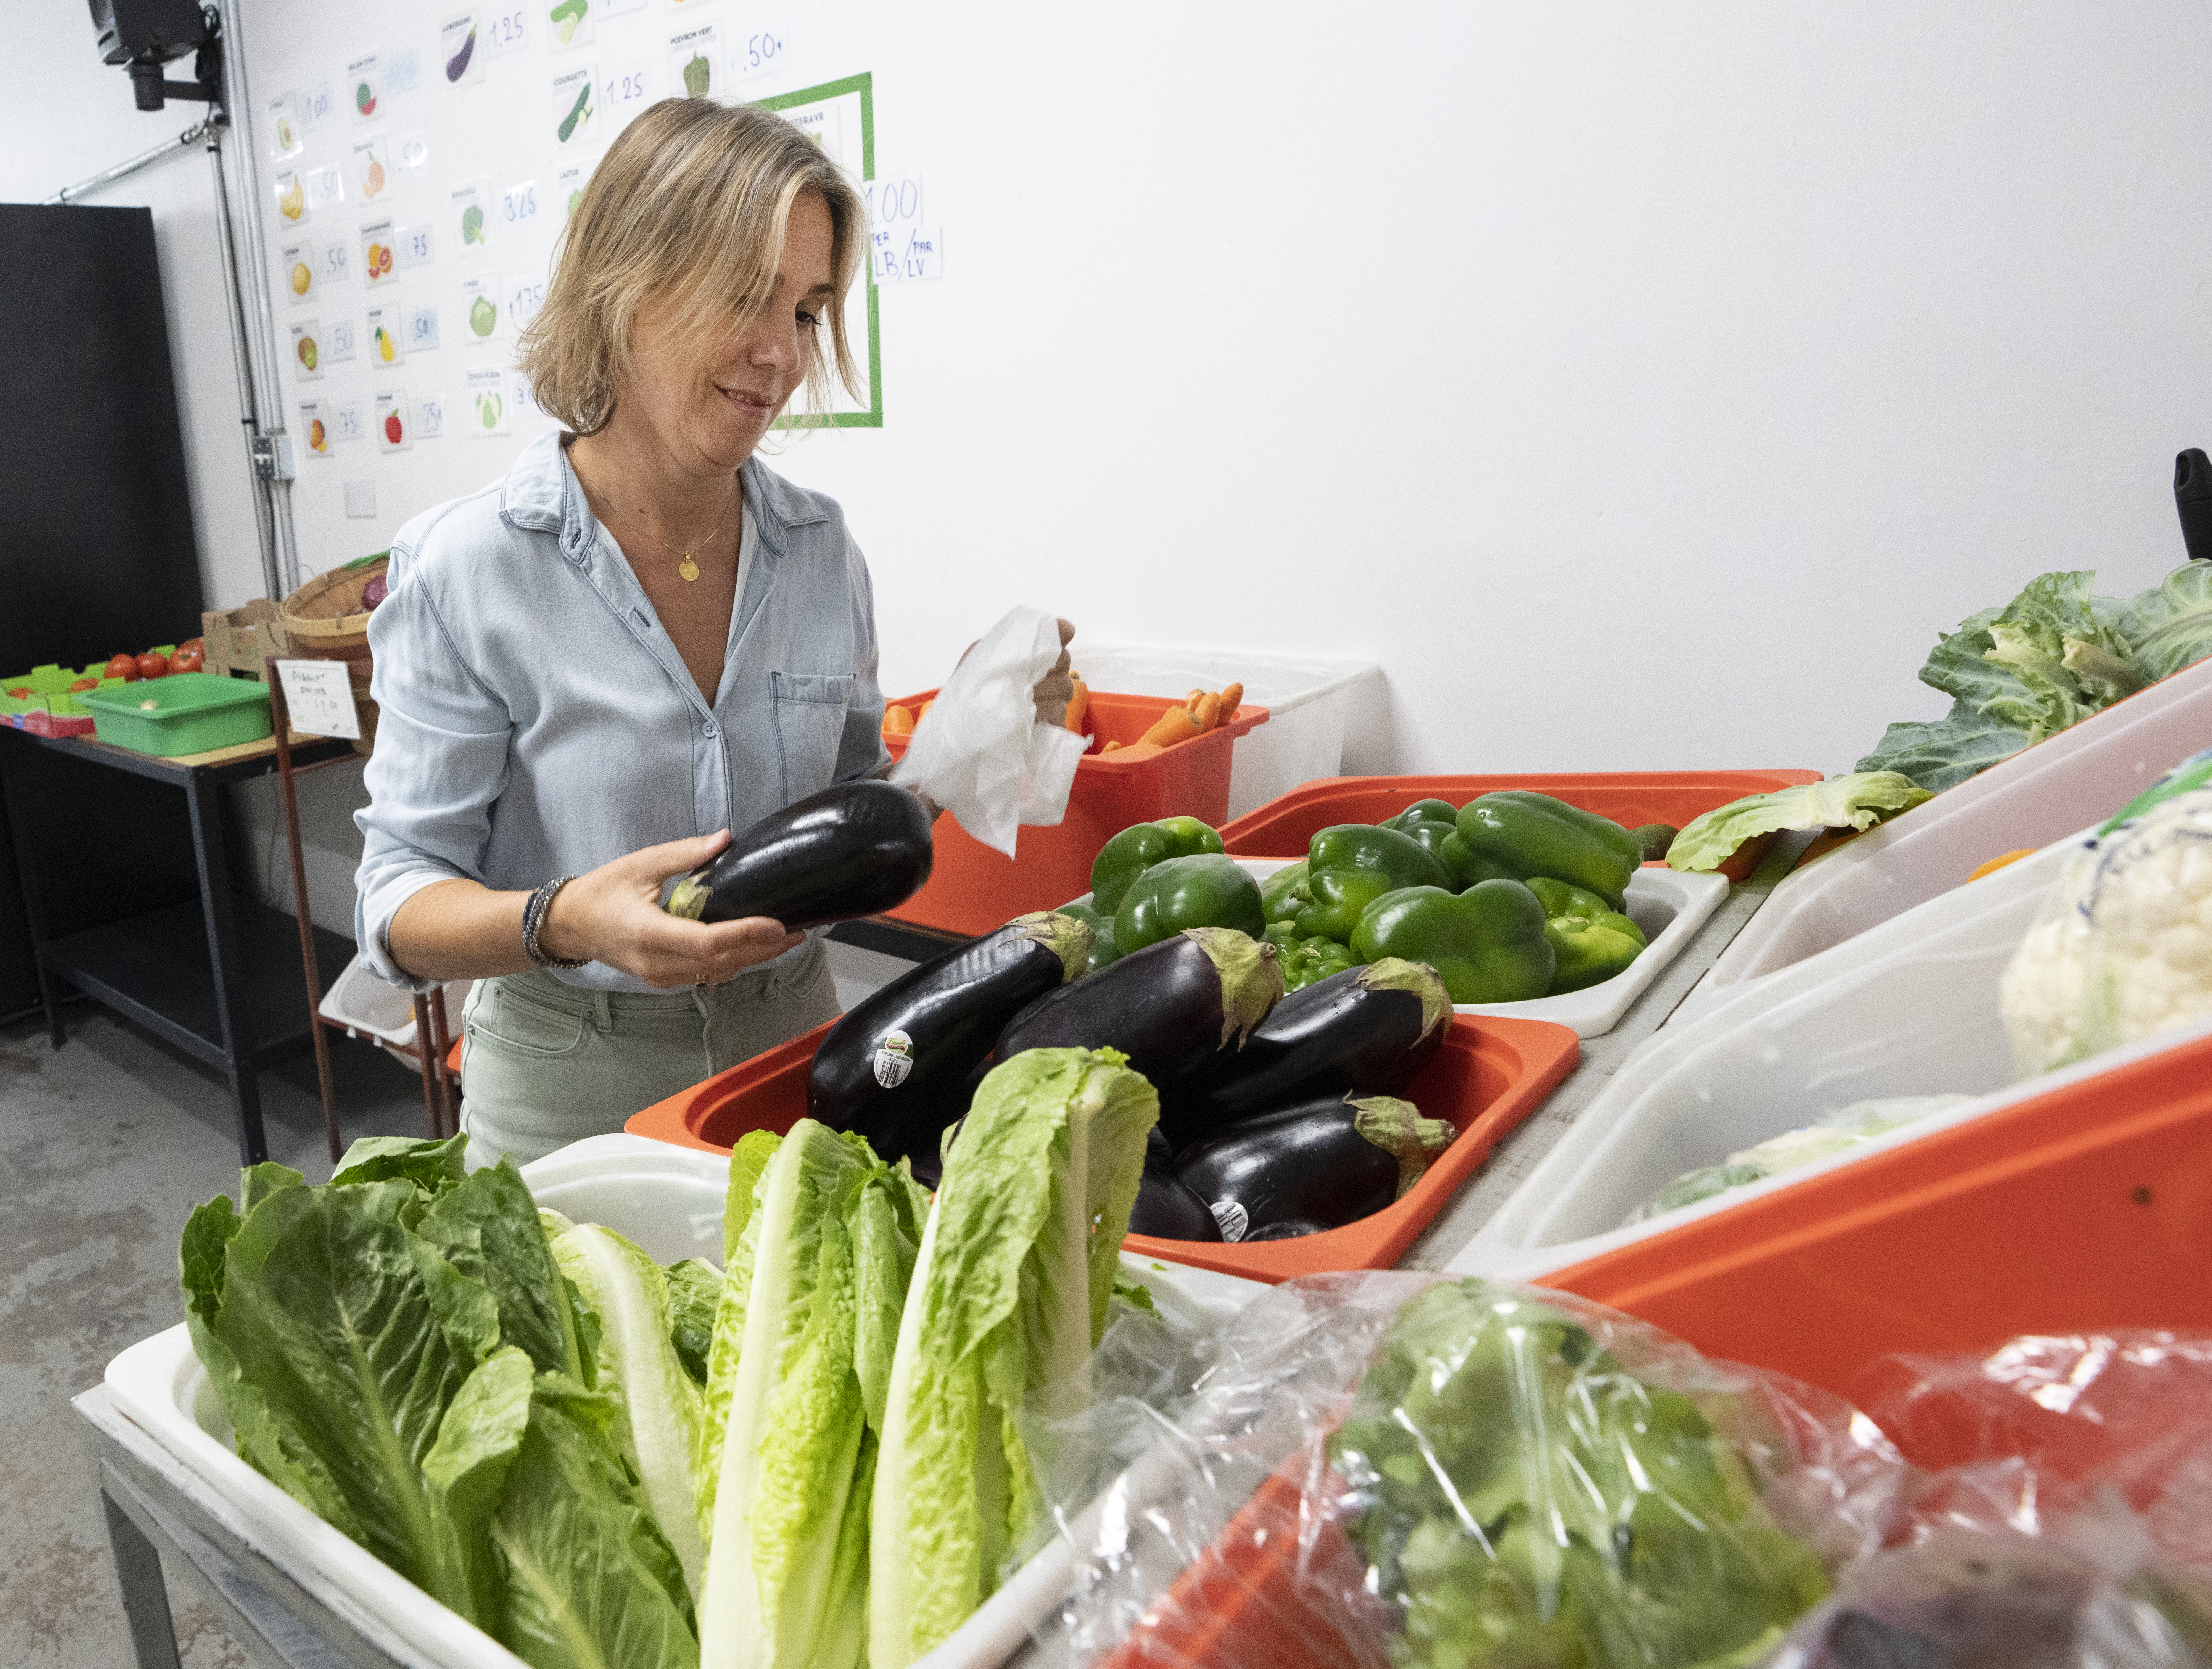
[613,915]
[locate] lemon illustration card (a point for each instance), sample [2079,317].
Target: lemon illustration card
[364,84]
[372,172]
[283,116]
[394,422]
[692,55]
[480,308]
[298,264]
[338,341]
[387,337]
[307,351]
[430,417]
[460,49]
[291,198]
[571,22]
[315,428]
[468,204]
[419,329]
[573,99]
[488,412]
[378,263]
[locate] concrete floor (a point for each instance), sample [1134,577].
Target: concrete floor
[105,1147]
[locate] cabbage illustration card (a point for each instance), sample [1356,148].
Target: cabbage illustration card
[488,403]
[461,49]
[364,85]
[315,428]
[307,351]
[387,337]
[394,422]
[481,313]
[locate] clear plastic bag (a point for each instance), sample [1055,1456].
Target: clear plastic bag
[1401,1468]
[2122,947]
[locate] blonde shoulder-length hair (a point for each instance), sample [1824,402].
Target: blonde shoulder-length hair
[686,213]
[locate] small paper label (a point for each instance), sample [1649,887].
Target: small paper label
[894,1058]
[320,700]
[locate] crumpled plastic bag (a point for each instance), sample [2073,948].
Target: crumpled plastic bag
[980,752]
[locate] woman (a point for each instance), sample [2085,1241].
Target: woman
[591,671]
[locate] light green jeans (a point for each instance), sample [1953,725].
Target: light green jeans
[544,1064]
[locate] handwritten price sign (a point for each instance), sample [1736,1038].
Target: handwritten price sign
[321,703]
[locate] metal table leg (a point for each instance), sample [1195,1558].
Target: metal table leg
[145,1594]
[35,908]
[222,955]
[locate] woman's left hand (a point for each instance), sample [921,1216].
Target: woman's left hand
[1056,688]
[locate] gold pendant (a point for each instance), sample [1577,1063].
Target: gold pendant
[688,569]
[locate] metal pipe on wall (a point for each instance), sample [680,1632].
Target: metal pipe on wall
[190,136]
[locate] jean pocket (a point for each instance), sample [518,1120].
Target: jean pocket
[512,1024]
[808,709]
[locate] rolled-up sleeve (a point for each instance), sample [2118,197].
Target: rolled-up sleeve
[860,749]
[441,763]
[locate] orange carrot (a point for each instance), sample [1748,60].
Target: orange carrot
[1175,724]
[1205,712]
[1078,704]
[1109,747]
[898,721]
[1231,698]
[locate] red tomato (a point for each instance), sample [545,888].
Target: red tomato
[84,683]
[188,659]
[199,644]
[123,666]
[151,665]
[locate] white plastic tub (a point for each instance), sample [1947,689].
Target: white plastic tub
[1308,702]
[1907,1008]
[2079,777]
[362,1003]
[669,1200]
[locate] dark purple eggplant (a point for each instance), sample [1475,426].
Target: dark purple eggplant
[1329,1161]
[857,849]
[1171,1007]
[1167,1209]
[1370,1029]
[1288,1229]
[905,1063]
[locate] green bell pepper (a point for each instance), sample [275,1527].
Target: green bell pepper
[1370,847]
[1309,960]
[1340,897]
[1431,822]
[1518,834]
[1592,940]
[1284,894]
[1137,849]
[1103,950]
[1488,943]
[1208,890]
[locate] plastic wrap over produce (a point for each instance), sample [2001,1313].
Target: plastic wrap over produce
[2121,949]
[1393,1468]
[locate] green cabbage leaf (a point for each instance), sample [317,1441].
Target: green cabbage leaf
[1859,801]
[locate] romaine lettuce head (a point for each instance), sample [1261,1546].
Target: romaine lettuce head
[695,1296]
[1859,801]
[2170,627]
[1018,1261]
[748,1160]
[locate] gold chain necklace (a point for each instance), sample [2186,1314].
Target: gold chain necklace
[685,565]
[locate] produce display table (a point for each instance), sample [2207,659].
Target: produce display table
[216,976]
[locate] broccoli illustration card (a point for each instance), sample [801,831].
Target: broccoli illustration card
[364,88]
[283,116]
[315,428]
[430,417]
[488,403]
[468,206]
[460,50]
[394,422]
[571,22]
[338,341]
[419,329]
[692,55]
[291,198]
[307,351]
[481,313]
[377,263]
[299,263]
[387,337]
[372,172]
[573,95]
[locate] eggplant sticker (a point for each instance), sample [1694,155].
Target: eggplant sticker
[460,51]
[893,1059]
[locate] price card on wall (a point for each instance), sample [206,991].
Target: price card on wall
[315,105]
[525,296]
[419,328]
[410,152]
[411,246]
[337,343]
[758,48]
[624,91]
[904,245]
[320,700]
[346,421]
[518,206]
[506,28]
[430,417]
[326,188]
[461,48]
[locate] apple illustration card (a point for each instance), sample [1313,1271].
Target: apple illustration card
[307,351]
[364,88]
[378,265]
[394,431]
[430,417]
[338,341]
[460,50]
[480,309]
[298,264]
[467,205]
[387,344]
[488,413]
[291,198]
[315,427]
[573,93]
[692,56]
[371,177]
[419,329]
[571,22]
[283,116]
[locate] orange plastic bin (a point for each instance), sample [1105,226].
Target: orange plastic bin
[973,890]
[1489,1075]
[1282,828]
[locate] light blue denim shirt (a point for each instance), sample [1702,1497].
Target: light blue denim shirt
[536,719]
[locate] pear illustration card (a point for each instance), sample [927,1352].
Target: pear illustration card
[461,49]
[387,337]
[419,329]
[315,428]
[469,217]
[299,263]
[574,118]
[692,55]
[378,264]
[338,340]
[291,198]
[394,422]
[570,21]
[372,172]
[429,416]
[364,85]
[480,308]
[307,351]
[488,412]
[283,116]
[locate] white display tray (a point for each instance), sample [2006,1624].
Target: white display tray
[2080,777]
[669,1200]
[1669,906]
[1909,1008]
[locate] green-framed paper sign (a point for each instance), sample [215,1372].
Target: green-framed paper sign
[841,117]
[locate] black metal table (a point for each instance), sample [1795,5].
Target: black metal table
[218,975]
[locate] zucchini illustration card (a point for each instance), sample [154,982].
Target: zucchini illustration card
[573,95]
[460,50]
[571,22]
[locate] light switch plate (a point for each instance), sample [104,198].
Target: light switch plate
[361,498]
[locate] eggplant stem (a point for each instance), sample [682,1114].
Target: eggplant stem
[1397,1127]
[688,898]
[1251,979]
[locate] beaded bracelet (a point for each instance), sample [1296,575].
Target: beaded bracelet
[533,919]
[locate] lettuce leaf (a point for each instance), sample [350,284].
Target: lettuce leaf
[2171,626]
[487,1228]
[657,1402]
[747,1162]
[465,1472]
[1017,1263]
[695,1295]
[1859,801]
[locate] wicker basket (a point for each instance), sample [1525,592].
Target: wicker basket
[324,619]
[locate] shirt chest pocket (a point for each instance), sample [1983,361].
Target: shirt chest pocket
[809,712]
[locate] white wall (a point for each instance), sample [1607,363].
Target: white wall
[1642,386]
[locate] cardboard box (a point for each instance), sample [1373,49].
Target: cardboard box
[241,640]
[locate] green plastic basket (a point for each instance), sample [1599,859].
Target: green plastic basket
[186,712]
